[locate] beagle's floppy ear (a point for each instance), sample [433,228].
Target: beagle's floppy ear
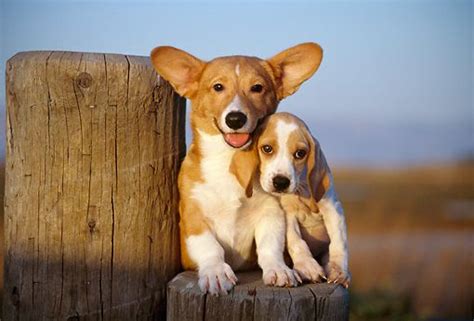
[294,65]
[317,173]
[244,166]
[178,67]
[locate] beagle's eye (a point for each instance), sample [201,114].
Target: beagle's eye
[257,88]
[218,87]
[267,149]
[300,154]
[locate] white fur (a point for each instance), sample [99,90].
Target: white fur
[270,241]
[237,70]
[303,262]
[215,275]
[234,106]
[235,222]
[333,215]
[329,206]
[281,164]
[220,195]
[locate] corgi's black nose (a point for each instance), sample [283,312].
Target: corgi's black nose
[280,183]
[235,120]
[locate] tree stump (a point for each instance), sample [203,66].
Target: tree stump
[251,300]
[94,143]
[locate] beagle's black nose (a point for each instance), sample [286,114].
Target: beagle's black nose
[280,183]
[235,120]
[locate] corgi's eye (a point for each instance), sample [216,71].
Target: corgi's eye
[300,154]
[267,149]
[218,87]
[257,88]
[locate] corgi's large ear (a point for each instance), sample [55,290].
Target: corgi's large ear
[244,166]
[317,173]
[294,65]
[178,67]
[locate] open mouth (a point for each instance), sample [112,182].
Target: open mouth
[237,140]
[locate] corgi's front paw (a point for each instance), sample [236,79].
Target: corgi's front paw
[281,275]
[336,274]
[217,278]
[309,270]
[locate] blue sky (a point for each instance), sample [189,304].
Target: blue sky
[394,88]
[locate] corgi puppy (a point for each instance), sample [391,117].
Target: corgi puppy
[223,229]
[293,167]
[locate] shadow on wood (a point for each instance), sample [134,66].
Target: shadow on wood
[251,300]
[94,143]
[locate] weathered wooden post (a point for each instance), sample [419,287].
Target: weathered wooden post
[94,143]
[252,300]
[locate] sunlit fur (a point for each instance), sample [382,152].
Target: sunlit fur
[314,213]
[222,228]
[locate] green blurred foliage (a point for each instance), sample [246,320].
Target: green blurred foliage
[380,305]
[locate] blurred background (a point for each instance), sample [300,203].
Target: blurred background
[392,106]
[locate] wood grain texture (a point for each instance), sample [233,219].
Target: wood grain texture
[94,143]
[251,300]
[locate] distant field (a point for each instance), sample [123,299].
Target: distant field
[411,235]
[422,198]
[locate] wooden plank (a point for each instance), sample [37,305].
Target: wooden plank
[244,294]
[251,300]
[332,302]
[302,306]
[271,304]
[185,301]
[94,144]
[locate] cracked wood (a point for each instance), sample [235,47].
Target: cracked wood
[94,143]
[252,300]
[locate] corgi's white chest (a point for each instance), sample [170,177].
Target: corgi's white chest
[220,195]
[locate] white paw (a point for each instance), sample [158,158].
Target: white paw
[281,275]
[309,270]
[217,278]
[336,274]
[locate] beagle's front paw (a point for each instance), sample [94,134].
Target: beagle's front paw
[217,278]
[281,275]
[309,270]
[336,274]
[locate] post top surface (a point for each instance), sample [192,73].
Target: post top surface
[44,56]
[251,282]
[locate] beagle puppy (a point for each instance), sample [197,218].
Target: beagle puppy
[223,229]
[293,167]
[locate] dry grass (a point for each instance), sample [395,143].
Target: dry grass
[435,197]
[411,240]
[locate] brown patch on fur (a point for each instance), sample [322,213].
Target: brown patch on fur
[303,204]
[192,220]
[318,179]
[244,166]
[181,69]
[193,78]
[295,65]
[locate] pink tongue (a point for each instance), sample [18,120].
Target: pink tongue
[237,140]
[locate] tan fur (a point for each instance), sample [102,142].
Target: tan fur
[309,192]
[244,167]
[304,220]
[195,223]
[317,180]
[282,64]
[194,79]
